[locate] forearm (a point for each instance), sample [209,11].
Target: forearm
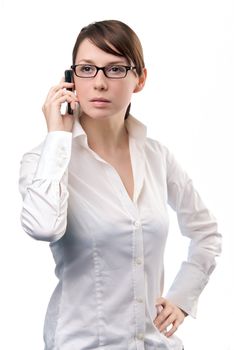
[199,225]
[44,189]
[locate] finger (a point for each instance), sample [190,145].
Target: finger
[170,320]
[53,100]
[163,315]
[63,92]
[173,329]
[56,95]
[161,301]
[56,105]
[65,98]
[56,88]
[74,105]
[60,97]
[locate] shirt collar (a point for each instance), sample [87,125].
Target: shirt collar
[77,129]
[136,129]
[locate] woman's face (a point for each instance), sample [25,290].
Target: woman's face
[90,91]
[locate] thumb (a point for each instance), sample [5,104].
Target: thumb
[160,301]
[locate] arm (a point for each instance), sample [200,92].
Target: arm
[43,172]
[43,186]
[198,224]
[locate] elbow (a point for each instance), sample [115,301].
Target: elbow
[218,244]
[203,253]
[212,243]
[50,231]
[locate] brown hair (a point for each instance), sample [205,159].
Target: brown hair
[116,38]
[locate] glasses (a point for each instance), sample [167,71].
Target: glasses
[90,71]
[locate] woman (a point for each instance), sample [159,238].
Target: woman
[97,189]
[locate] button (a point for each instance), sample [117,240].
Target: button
[139,261]
[60,164]
[140,336]
[137,223]
[139,300]
[62,151]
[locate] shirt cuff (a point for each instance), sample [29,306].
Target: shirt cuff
[55,155]
[187,287]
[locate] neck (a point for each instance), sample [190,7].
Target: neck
[107,135]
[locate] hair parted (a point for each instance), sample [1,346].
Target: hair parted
[114,37]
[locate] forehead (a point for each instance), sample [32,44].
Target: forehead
[89,52]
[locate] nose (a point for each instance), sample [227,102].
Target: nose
[100,81]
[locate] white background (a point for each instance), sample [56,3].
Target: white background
[187,104]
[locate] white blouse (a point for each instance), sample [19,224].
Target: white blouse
[109,249]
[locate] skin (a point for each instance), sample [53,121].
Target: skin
[105,128]
[105,123]
[169,315]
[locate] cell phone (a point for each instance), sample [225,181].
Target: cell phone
[69,79]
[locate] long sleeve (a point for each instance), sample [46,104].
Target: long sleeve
[43,186]
[198,224]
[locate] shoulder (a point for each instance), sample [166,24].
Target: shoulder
[157,153]
[156,147]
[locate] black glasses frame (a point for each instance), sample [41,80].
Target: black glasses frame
[73,67]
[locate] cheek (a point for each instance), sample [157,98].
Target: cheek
[124,94]
[81,90]
[121,93]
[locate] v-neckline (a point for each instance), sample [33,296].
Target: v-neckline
[138,169]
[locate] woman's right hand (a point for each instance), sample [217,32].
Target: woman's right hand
[52,107]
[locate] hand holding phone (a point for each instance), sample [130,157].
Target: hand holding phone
[56,119]
[69,79]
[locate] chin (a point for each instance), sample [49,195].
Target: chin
[97,115]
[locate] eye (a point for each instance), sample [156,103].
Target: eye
[116,69]
[86,68]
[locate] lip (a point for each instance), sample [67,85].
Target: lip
[100,102]
[99,99]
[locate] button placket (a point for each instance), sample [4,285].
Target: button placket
[139,284]
[137,224]
[140,336]
[138,261]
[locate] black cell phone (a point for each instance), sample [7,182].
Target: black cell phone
[69,79]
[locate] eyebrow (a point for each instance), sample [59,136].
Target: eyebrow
[83,61]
